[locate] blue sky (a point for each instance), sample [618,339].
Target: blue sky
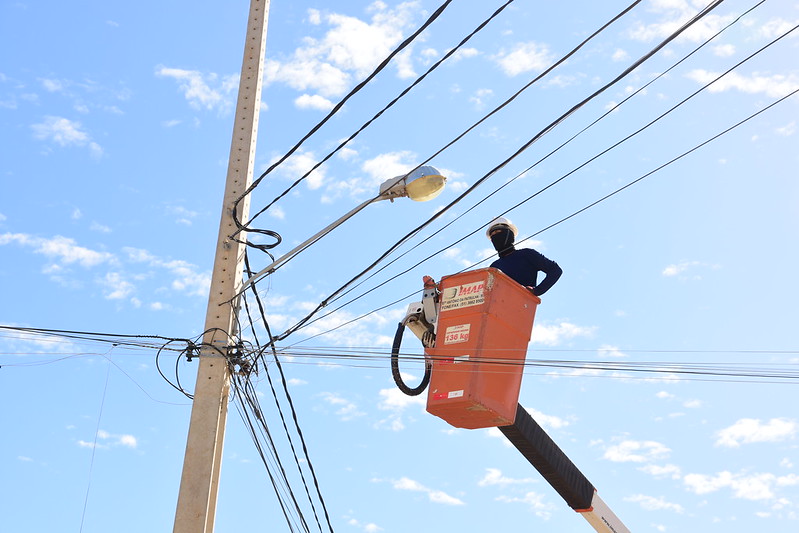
[116,126]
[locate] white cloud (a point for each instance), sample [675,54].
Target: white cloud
[308,101]
[345,409]
[787,130]
[479,97]
[534,500]
[674,14]
[59,248]
[651,503]
[208,91]
[100,228]
[683,268]
[314,17]
[494,477]
[298,165]
[620,55]
[185,277]
[775,85]
[524,57]
[607,350]
[387,165]
[776,27]
[117,288]
[749,430]
[393,399]
[65,132]
[404,64]
[747,487]
[462,53]
[277,212]
[547,421]
[369,528]
[396,402]
[552,335]
[435,496]
[724,50]
[636,451]
[350,47]
[52,86]
[106,440]
[669,470]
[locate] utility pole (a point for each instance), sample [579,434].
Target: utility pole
[199,484]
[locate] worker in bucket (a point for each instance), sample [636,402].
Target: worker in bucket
[521,265]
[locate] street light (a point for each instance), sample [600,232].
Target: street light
[421,185]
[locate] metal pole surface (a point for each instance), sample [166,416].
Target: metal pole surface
[199,484]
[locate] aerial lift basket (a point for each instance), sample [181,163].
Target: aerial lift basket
[483,327]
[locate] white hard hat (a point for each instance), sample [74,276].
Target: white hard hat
[502,221]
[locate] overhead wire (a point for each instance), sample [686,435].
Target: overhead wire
[555,150]
[611,147]
[507,101]
[333,111]
[784,372]
[501,165]
[287,395]
[596,202]
[249,408]
[94,448]
[377,115]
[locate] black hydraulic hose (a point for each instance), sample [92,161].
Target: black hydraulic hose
[395,351]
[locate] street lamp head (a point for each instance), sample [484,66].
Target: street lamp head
[421,185]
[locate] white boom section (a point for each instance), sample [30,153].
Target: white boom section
[602,519]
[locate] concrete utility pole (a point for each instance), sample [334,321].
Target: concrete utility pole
[199,484]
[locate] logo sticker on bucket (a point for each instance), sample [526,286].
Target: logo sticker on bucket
[463,295]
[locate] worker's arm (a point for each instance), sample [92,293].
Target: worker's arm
[552,272]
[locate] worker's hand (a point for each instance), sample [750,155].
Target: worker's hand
[535,296]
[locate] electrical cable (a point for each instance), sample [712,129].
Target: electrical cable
[552,152]
[602,199]
[759,370]
[287,394]
[596,156]
[94,447]
[517,93]
[493,171]
[377,115]
[336,109]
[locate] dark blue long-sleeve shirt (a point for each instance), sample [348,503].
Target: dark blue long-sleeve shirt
[523,266]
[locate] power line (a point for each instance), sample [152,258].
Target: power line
[508,100]
[526,145]
[523,172]
[589,206]
[377,115]
[613,146]
[336,109]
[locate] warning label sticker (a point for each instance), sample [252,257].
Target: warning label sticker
[455,394]
[463,296]
[456,334]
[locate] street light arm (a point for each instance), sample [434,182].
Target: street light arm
[300,247]
[422,184]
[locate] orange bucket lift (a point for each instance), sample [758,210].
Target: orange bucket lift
[484,324]
[475,327]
